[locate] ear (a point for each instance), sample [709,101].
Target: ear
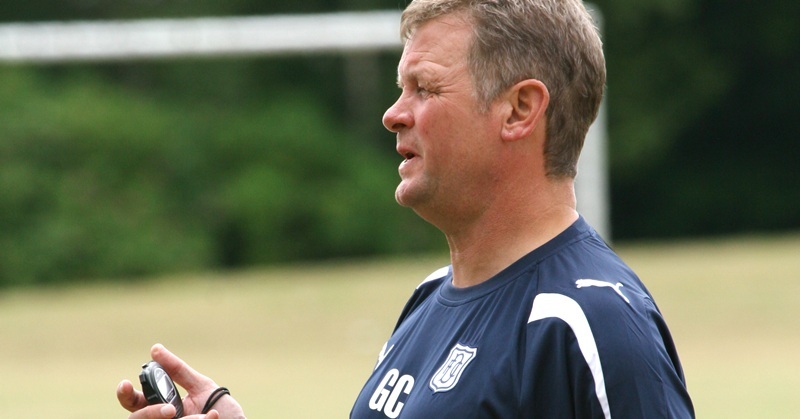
[525,109]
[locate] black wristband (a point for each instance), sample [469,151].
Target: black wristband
[214,397]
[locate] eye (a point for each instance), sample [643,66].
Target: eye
[423,91]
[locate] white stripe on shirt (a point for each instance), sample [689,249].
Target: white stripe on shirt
[568,310]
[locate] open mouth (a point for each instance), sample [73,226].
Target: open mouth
[407,152]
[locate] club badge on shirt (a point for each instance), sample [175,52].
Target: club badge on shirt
[447,376]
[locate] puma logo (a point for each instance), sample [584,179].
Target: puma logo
[581,283]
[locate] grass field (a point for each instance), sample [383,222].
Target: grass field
[297,342]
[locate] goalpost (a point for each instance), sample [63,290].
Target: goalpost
[342,33]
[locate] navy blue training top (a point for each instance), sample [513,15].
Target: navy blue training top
[567,331]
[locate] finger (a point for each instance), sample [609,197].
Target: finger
[180,371]
[156,411]
[130,398]
[213,414]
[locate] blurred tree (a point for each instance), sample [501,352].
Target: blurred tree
[108,172]
[701,100]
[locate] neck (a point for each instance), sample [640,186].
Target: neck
[509,231]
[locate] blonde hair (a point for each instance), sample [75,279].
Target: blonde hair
[554,41]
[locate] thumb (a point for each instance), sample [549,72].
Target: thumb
[129,398]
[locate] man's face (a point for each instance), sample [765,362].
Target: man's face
[442,133]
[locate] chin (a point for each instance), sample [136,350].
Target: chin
[401,198]
[406,196]
[416,193]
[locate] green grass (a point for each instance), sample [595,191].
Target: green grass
[299,341]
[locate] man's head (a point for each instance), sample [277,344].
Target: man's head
[554,41]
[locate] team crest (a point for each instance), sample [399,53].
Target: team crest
[449,373]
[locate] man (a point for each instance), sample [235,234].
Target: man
[535,317]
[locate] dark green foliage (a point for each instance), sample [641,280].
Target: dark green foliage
[703,99]
[116,179]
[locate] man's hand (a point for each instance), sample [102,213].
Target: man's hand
[197,386]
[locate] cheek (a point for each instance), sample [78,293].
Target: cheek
[428,125]
[434,135]
[450,137]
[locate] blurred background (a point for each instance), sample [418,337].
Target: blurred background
[114,173]
[125,168]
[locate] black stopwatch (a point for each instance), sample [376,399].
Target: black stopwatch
[158,387]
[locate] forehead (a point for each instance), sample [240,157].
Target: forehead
[436,45]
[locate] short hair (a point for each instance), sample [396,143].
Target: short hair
[554,41]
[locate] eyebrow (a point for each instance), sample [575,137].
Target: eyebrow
[413,75]
[409,76]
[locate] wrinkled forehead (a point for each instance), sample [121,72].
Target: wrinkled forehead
[436,45]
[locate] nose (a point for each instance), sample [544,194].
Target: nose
[398,116]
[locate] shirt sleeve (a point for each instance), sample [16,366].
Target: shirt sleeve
[613,360]
[557,379]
